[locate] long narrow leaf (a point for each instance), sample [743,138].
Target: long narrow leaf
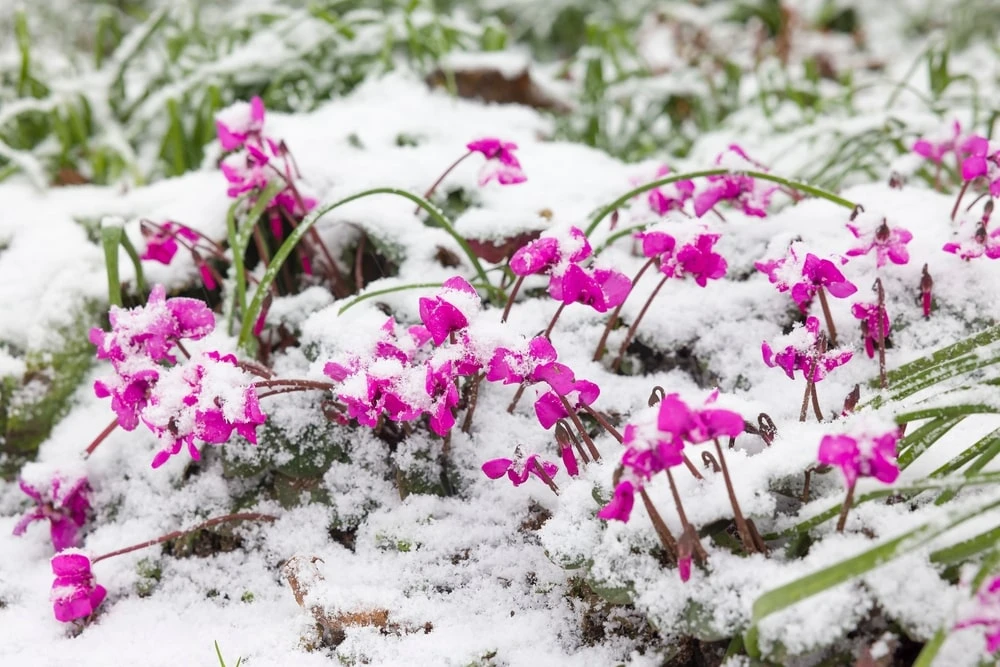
[987,449]
[920,440]
[111,239]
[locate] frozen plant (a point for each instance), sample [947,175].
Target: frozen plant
[666,198]
[75,592]
[889,243]
[520,468]
[64,504]
[742,191]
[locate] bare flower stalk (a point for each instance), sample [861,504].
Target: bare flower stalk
[616,364]
[613,320]
[741,524]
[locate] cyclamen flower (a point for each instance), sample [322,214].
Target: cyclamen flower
[697,425]
[500,161]
[161,243]
[869,453]
[678,259]
[129,394]
[151,331]
[799,350]
[983,161]
[669,197]
[64,504]
[443,392]
[75,593]
[868,313]
[620,507]
[742,190]
[515,366]
[981,241]
[986,614]
[888,242]
[239,123]
[935,150]
[205,400]
[519,468]
[551,252]
[804,279]
[601,289]
[549,408]
[450,310]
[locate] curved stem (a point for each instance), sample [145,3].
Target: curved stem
[848,501]
[101,437]
[240,516]
[517,397]
[764,176]
[613,320]
[303,228]
[599,418]
[444,174]
[575,418]
[666,538]
[958,200]
[741,524]
[635,325]
[685,524]
[298,384]
[390,290]
[510,299]
[552,322]
[830,327]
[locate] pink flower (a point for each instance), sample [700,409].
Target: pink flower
[804,279]
[245,121]
[519,468]
[450,310]
[620,507]
[697,426]
[658,244]
[161,244]
[697,259]
[669,197]
[549,407]
[889,243]
[75,593]
[601,289]
[868,313]
[648,450]
[65,507]
[552,251]
[441,388]
[986,614]
[500,161]
[869,454]
[983,161]
[205,399]
[515,366]
[799,350]
[936,150]
[981,241]
[742,190]
[129,394]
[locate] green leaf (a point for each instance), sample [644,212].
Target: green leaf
[390,290]
[111,239]
[920,440]
[140,279]
[817,582]
[931,648]
[987,449]
[239,239]
[24,46]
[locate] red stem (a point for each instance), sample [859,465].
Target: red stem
[434,186]
[510,300]
[613,320]
[101,436]
[635,325]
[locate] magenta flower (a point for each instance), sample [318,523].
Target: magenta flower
[450,310]
[515,366]
[889,243]
[161,242]
[244,121]
[151,331]
[799,350]
[981,241]
[75,593]
[620,507]
[741,190]
[63,504]
[500,161]
[983,161]
[869,454]
[601,289]
[129,394]
[519,468]
[697,259]
[443,392]
[552,251]
[697,426]
[986,614]
[868,313]
[648,450]
[936,150]
[549,408]
[804,279]
[205,399]
[659,245]
[669,197]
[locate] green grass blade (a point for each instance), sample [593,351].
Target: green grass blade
[140,279]
[930,649]
[111,239]
[920,440]
[987,449]
[239,239]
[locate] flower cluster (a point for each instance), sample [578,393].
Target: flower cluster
[559,253]
[869,451]
[501,164]
[804,277]
[800,350]
[163,241]
[64,504]
[259,160]
[654,445]
[204,397]
[693,256]
[742,191]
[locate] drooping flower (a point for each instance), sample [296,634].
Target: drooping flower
[75,592]
[888,242]
[161,241]
[691,255]
[869,452]
[976,239]
[868,313]
[601,289]
[450,310]
[519,468]
[64,504]
[129,394]
[983,161]
[551,252]
[240,122]
[985,613]
[670,197]
[743,191]
[501,164]
[799,350]
[697,425]
[621,504]
[549,407]
[443,392]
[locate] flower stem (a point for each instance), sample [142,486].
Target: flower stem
[575,418]
[517,397]
[741,525]
[473,400]
[613,320]
[699,550]
[545,477]
[616,364]
[883,380]
[239,516]
[101,436]
[666,538]
[599,418]
[552,323]
[829,317]
[301,385]
[510,299]
[444,174]
[958,200]
[848,501]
